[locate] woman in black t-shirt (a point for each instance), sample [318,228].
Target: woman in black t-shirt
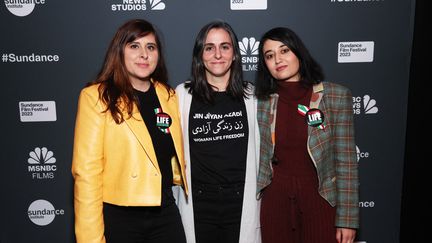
[219,129]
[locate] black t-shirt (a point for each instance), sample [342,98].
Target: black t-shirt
[161,139]
[218,136]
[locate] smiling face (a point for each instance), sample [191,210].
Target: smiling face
[218,54]
[141,57]
[282,63]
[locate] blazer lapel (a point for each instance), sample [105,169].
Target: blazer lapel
[169,106]
[137,126]
[315,133]
[317,95]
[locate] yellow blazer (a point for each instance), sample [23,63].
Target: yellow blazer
[116,163]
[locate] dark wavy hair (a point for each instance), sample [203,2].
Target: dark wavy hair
[310,71]
[198,85]
[113,76]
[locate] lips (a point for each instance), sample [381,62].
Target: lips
[218,63]
[142,65]
[281,68]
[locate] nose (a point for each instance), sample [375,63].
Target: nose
[277,58]
[218,53]
[144,54]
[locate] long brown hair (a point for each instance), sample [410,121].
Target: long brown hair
[198,85]
[113,76]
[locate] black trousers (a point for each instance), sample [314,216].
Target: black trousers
[143,224]
[217,212]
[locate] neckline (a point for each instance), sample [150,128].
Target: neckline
[139,92]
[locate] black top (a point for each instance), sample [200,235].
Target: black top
[218,136]
[162,141]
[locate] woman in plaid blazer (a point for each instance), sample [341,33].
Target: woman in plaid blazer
[308,175]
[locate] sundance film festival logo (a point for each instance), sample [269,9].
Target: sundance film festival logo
[365,105]
[359,51]
[22,8]
[248,4]
[14,58]
[42,213]
[361,154]
[366,204]
[41,163]
[249,52]
[37,111]
[138,5]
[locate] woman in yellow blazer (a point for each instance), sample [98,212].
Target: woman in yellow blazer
[128,147]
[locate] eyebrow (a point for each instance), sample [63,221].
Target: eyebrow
[268,51]
[213,44]
[136,42]
[279,47]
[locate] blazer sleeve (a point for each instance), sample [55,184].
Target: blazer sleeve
[87,167]
[347,212]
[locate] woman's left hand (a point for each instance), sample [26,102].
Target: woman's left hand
[345,235]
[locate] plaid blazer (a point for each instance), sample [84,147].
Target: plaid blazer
[332,149]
